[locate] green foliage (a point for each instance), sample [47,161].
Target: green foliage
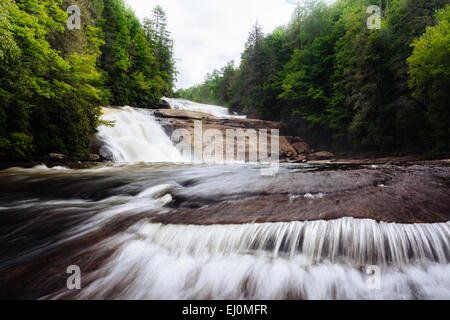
[430,75]
[158,37]
[215,89]
[41,89]
[137,59]
[345,87]
[53,80]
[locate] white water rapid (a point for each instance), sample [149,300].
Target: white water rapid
[136,137]
[217,111]
[151,226]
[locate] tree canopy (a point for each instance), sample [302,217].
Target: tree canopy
[54,79]
[343,86]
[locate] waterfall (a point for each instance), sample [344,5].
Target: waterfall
[216,111]
[346,240]
[136,137]
[148,259]
[135,256]
[295,260]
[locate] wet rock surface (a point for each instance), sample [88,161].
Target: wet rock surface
[240,194]
[322,155]
[291,149]
[52,218]
[390,194]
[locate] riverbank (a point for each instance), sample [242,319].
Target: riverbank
[408,159]
[421,159]
[237,193]
[156,127]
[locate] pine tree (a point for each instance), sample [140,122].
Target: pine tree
[160,40]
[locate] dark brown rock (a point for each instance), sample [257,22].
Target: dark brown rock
[55,157]
[323,155]
[163,104]
[100,149]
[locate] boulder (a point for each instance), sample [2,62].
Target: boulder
[181,114]
[163,104]
[93,157]
[301,147]
[322,155]
[99,149]
[287,151]
[55,157]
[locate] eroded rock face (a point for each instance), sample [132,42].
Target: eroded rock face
[301,147]
[291,149]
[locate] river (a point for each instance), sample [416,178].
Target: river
[151,225]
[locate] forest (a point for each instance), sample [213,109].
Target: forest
[325,75]
[54,76]
[343,86]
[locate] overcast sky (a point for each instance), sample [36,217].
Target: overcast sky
[210,33]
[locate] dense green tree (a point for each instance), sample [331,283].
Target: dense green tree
[341,85]
[307,86]
[48,101]
[53,79]
[131,60]
[257,67]
[430,75]
[215,89]
[115,59]
[159,39]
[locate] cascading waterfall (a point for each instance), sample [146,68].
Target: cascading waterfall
[186,105]
[136,137]
[296,260]
[152,260]
[346,240]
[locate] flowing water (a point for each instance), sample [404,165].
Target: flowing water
[151,226]
[136,137]
[217,111]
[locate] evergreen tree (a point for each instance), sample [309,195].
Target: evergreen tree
[159,39]
[329,78]
[53,80]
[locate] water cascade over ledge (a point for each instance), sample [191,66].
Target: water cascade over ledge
[150,225]
[186,105]
[136,137]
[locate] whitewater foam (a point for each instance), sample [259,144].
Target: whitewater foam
[276,261]
[216,111]
[136,137]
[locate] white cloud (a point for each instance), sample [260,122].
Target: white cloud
[210,33]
